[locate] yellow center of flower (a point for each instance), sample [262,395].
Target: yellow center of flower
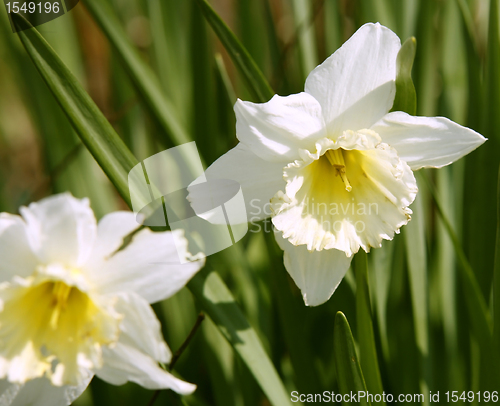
[54,327]
[349,193]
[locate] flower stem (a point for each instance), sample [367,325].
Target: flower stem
[179,352]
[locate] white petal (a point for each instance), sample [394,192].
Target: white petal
[124,362]
[149,266]
[40,392]
[316,273]
[16,255]
[111,231]
[277,129]
[259,181]
[363,68]
[141,326]
[66,228]
[427,141]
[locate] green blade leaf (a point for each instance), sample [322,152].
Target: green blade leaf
[303,16]
[476,304]
[496,281]
[255,79]
[416,255]
[216,299]
[141,74]
[349,375]
[88,121]
[406,97]
[366,337]
[492,120]
[295,335]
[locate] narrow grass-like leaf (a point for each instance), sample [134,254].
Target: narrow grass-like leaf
[253,76]
[496,281]
[332,27]
[414,234]
[141,74]
[303,15]
[88,121]
[406,97]
[219,357]
[379,10]
[366,337]
[214,296]
[416,255]
[349,375]
[294,335]
[228,86]
[492,120]
[381,265]
[468,21]
[476,304]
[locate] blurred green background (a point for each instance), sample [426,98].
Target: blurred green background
[420,300]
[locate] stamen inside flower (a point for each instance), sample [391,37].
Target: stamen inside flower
[60,293]
[336,158]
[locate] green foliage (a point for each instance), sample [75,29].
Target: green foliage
[349,374]
[256,81]
[406,97]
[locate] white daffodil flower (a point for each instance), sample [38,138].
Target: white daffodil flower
[331,166]
[73,304]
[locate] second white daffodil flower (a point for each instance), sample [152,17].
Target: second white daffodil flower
[333,165]
[73,304]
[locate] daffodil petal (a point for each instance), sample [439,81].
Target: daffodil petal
[124,362]
[259,181]
[355,86]
[149,266]
[40,392]
[141,326]
[427,142]
[17,257]
[62,229]
[275,130]
[316,273]
[111,231]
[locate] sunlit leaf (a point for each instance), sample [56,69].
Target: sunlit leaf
[349,375]
[247,67]
[88,121]
[406,97]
